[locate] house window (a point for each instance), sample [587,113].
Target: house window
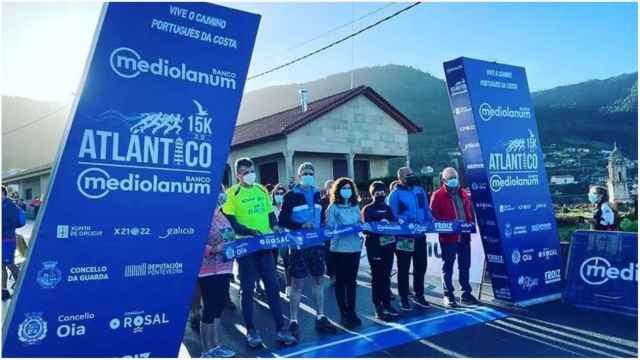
[269,173]
[28,194]
[361,171]
[340,168]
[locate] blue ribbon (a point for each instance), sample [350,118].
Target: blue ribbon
[301,239]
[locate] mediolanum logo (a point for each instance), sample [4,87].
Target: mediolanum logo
[96,183]
[488,112]
[128,63]
[597,271]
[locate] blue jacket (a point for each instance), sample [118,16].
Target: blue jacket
[297,211]
[12,218]
[410,204]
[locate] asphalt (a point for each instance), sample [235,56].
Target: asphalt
[494,329]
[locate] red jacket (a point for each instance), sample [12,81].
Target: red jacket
[443,208]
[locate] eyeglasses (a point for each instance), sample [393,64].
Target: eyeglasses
[307,174]
[248,172]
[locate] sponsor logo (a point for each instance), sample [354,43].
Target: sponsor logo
[157,269]
[597,271]
[552,276]
[460,87]
[443,226]
[484,205]
[88,273]
[524,207]
[467,128]
[96,183]
[502,293]
[230,252]
[461,110]
[71,325]
[490,239]
[133,231]
[508,230]
[470,146]
[455,68]
[488,111]
[541,227]
[33,329]
[177,231]
[493,258]
[49,276]
[66,231]
[547,253]
[524,255]
[540,206]
[127,63]
[140,355]
[515,256]
[475,166]
[138,320]
[274,239]
[499,276]
[528,282]
[497,182]
[478,186]
[505,208]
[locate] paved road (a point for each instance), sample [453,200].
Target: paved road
[494,329]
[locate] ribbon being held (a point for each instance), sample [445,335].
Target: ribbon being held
[306,238]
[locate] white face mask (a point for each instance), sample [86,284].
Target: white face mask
[278,198]
[249,178]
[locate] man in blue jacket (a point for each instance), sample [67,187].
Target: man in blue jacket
[409,203]
[12,218]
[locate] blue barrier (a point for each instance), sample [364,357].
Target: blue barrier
[602,271]
[307,238]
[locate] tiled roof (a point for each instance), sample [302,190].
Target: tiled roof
[284,122]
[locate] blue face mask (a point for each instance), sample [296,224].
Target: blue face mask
[593,198]
[452,183]
[307,180]
[346,194]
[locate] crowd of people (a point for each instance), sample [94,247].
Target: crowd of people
[249,209]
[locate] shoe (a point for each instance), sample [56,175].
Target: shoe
[219,352]
[405,305]
[324,325]
[254,339]
[468,299]
[421,302]
[355,320]
[284,337]
[391,310]
[450,302]
[294,328]
[5,295]
[381,313]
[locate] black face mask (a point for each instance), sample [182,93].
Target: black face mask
[412,180]
[379,198]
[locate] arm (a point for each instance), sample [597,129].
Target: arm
[331,219]
[427,209]
[435,206]
[607,215]
[240,229]
[285,220]
[394,204]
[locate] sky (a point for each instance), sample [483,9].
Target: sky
[44,45]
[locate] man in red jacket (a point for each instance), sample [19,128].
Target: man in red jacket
[450,202]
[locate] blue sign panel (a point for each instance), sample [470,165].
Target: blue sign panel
[503,163]
[119,243]
[602,271]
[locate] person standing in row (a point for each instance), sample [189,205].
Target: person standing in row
[213,281]
[345,249]
[12,218]
[603,218]
[250,211]
[380,251]
[325,200]
[409,204]
[450,202]
[301,210]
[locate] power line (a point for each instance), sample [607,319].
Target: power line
[340,27]
[334,43]
[35,121]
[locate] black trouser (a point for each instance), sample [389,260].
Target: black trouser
[419,257]
[381,263]
[215,291]
[346,272]
[450,250]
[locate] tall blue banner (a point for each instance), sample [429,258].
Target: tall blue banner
[602,271]
[117,249]
[503,163]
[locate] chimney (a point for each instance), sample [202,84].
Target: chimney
[304,99]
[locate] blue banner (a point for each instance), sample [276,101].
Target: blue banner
[301,239]
[119,242]
[503,162]
[602,271]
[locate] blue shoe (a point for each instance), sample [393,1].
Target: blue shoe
[219,352]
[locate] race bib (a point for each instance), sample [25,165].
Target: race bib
[406,244]
[386,240]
